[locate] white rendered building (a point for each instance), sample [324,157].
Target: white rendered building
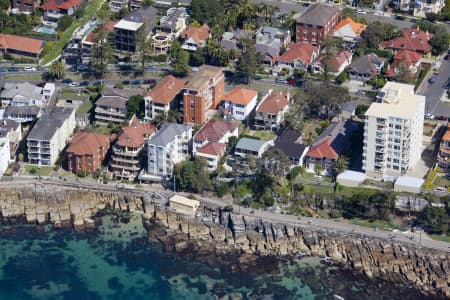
[4,155]
[393,131]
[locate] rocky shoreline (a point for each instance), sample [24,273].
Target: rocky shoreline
[219,235]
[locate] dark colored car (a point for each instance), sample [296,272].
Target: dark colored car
[3,70]
[84,83]
[440,118]
[136,82]
[126,82]
[13,69]
[447,56]
[149,81]
[432,79]
[291,82]
[97,83]
[67,80]
[41,84]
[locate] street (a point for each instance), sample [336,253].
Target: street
[331,225]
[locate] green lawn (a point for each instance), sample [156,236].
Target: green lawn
[441,181]
[100,130]
[72,94]
[91,8]
[39,171]
[85,107]
[23,77]
[265,135]
[384,225]
[441,238]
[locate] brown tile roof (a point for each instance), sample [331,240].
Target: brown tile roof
[9,41]
[197,33]
[84,143]
[214,130]
[241,96]
[302,51]
[167,89]
[273,103]
[135,134]
[318,14]
[323,150]
[213,148]
[412,39]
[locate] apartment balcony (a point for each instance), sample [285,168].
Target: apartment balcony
[122,167]
[109,112]
[129,153]
[125,160]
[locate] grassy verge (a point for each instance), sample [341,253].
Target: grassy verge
[423,73]
[441,238]
[91,8]
[23,77]
[38,171]
[383,225]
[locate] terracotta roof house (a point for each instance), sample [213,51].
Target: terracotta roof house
[18,45]
[405,63]
[212,152]
[349,30]
[195,37]
[316,23]
[165,96]
[291,144]
[413,40]
[270,111]
[127,159]
[239,103]
[366,67]
[336,64]
[443,158]
[214,131]
[53,10]
[87,151]
[299,55]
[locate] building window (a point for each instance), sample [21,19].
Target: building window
[305,31]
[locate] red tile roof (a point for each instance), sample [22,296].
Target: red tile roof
[241,96]
[302,51]
[273,103]
[197,33]
[406,58]
[213,148]
[338,60]
[323,150]
[109,27]
[214,130]
[446,136]
[412,39]
[9,41]
[357,28]
[55,5]
[134,135]
[84,143]
[167,89]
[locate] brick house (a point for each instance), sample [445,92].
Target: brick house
[203,91]
[316,23]
[87,152]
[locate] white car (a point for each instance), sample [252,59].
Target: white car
[28,69]
[360,12]
[74,84]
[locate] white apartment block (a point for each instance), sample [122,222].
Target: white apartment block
[422,7]
[169,146]
[50,135]
[4,155]
[393,131]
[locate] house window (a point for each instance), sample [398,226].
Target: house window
[305,31]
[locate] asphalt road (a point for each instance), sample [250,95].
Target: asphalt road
[313,223]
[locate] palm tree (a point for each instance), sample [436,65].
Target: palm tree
[174,116]
[57,70]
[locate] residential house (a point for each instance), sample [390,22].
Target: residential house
[406,64]
[22,114]
[87,151]
[421,8]
[195,37]
[349,31]
[170,27]
[316,23]
[128,30]
[329,145]
[48,91]
[212,153]
[269,52]
[54,10]
[443,156]
[412,39]
[22,94]
[12,131]
[366,67]
[393,131]
[128,153]
[232,40]
[239,103]
[292,145]
[335,64]
[168,147]
[203,91]
[118,5]
[73,98]
[4,155]
[50,135]
[111,107]
[218,131]
[248,146]
[20,46]
[298,56]
[164,97]
[25,6]
[270,41]
[271,110]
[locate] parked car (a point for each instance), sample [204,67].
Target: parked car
[83,68]
[126,82]
[67,81]
[446,57]
[74,84]
[429,116]
[281,80]
[41,84]
[150,67]
[97,83]
[291,82]
[84,83]
[360,12]
[149,81]
[3,70]
[13,69]
[432,79]
[436,71]
[29,69]
[441,118]
[136,82]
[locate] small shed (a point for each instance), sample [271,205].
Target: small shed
[408,184]
[351,178]
[348,110]
[183,204]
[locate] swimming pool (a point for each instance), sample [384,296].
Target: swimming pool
[46,30]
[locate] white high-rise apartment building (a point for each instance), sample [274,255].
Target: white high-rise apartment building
[393,131]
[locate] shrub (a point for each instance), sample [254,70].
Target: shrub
[82,174]
[228,208]
[222,189]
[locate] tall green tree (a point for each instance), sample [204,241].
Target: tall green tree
[102,49]
[248,62]
[57,70]
[206,11]
[145,51]
[180,67]
[136,106]
[330,48]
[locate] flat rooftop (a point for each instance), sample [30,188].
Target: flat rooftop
[197,79]
[128,25]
